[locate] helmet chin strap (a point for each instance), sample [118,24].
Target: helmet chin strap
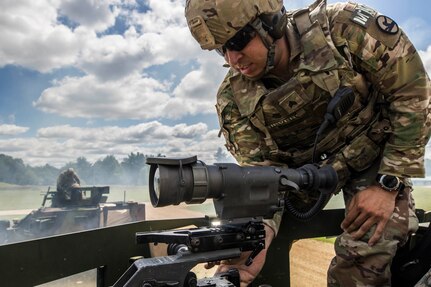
[269,43]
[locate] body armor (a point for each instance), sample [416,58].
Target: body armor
[290,114]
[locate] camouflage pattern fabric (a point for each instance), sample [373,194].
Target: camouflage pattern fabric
[390,65]
[387,64]
[425,280]
[394,70]
[212,31]
[356,262]
[394,67]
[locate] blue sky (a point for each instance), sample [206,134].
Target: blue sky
[109,77]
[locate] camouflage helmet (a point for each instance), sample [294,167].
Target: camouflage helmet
[213,22]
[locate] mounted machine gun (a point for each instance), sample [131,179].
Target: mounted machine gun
[242,197]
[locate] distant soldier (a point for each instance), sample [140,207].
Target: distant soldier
[67,182]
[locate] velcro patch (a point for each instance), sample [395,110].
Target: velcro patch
[387,25]
[362,15]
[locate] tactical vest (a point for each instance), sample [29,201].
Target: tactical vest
[290,115]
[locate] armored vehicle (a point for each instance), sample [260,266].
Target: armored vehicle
[88,209]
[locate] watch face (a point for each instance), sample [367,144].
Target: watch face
[389,181]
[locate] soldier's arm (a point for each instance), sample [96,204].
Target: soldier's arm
[383,54]
[392,65]
[243,141]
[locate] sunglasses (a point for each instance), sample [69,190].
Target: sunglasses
[239,41]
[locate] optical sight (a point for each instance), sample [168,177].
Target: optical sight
[237,192]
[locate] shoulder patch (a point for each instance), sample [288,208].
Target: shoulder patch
[382,28]
[363,15]
[387,25]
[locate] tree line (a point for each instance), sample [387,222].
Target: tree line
[131,170]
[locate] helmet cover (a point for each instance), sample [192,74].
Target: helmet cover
[213,22]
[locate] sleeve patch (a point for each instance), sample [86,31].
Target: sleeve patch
[382,28]
[362,15]
[387,25]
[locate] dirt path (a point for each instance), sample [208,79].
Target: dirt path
[170,212]
[309,260]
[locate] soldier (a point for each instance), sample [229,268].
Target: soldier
[285,67]
[67,181]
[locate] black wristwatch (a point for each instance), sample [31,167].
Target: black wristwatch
[390,182]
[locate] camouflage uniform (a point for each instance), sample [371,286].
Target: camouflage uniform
[385,130]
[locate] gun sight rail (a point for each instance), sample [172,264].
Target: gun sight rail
[247,237]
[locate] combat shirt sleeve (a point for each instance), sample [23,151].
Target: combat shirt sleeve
[243,141]
[394,69]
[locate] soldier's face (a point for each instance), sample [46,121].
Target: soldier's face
[250,61]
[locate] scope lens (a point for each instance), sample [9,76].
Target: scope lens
[171,184]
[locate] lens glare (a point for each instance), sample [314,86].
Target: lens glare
[156,182]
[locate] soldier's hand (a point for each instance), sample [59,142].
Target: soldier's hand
[369,207]
[247,273]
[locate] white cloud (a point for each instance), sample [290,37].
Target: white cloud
[11,130]
[114,86]
[199,87]
[148,132]
[58,145]
[202,83]
[32,37]
[95,14]
[113,57]
[162,14]
[156,37]
[133,97]
[38,40]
